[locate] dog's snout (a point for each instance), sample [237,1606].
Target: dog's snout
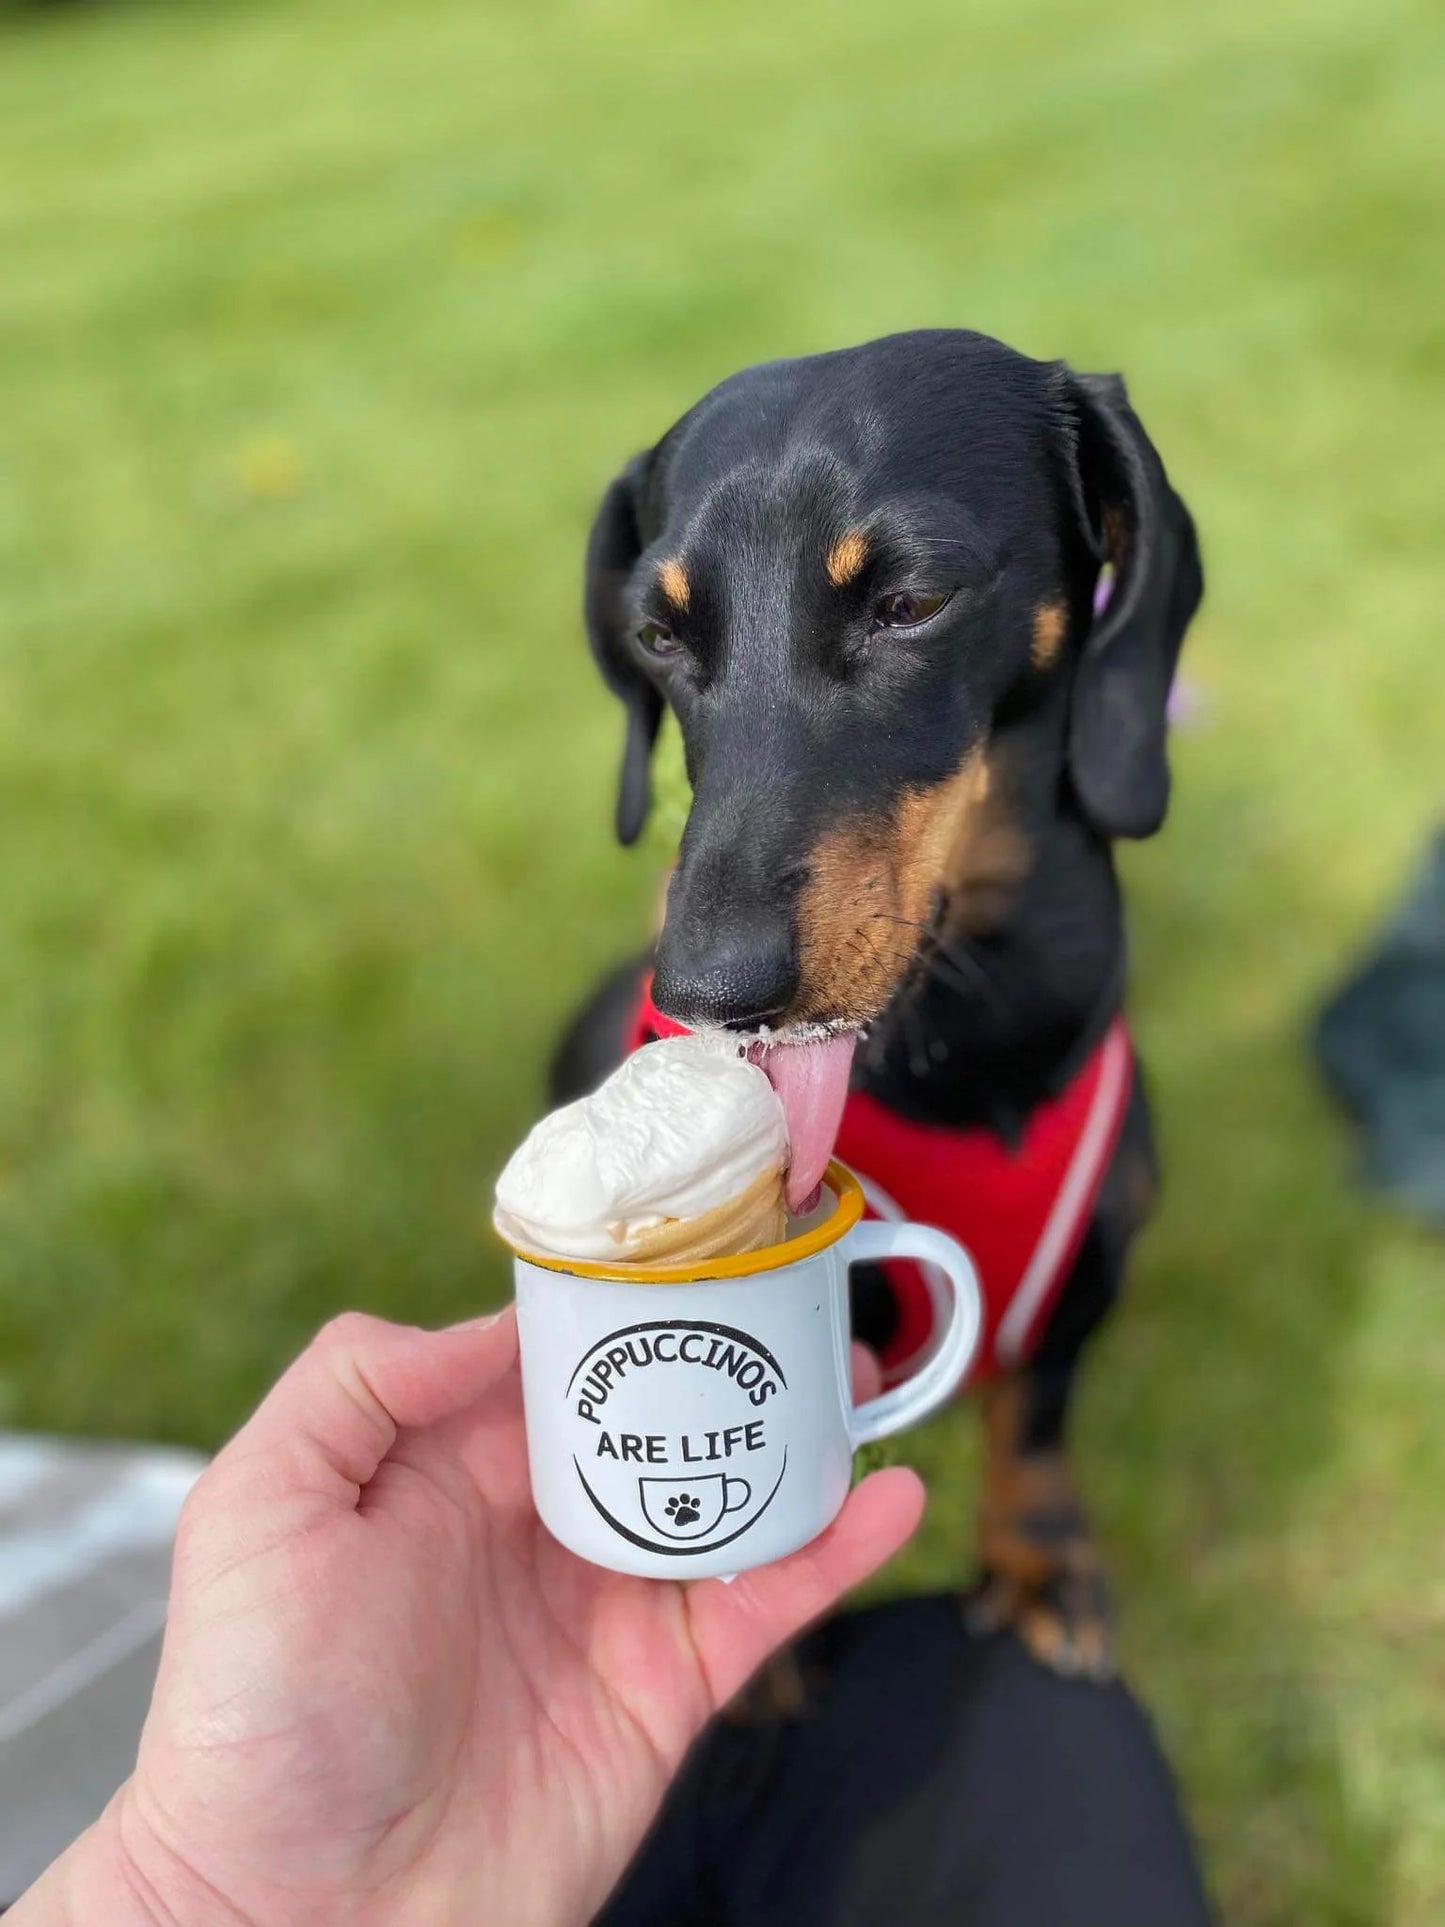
[741,979]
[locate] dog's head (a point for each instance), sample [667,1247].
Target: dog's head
[865,583]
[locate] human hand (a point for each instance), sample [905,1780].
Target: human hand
[387,1695]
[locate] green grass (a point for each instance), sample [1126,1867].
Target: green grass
[321,327]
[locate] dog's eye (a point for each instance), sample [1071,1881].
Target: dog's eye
[658,640]
[906,611]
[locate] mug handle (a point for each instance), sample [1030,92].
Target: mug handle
[735,1505]
[913,1400]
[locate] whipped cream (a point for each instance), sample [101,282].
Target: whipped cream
[680,1128]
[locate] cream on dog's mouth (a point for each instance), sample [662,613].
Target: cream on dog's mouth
[808,1066]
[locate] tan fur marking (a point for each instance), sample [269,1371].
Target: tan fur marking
[990,860]
[1048,633]
[846,557]
[1021,1486]
[960,839]
[852,947]
[1045,1576]
[931,834]
[873,886]
[672,577]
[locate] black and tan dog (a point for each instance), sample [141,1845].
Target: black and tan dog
[867,585]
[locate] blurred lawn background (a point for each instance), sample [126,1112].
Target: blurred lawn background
[321,328]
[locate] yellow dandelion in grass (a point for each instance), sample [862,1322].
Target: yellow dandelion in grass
[268,468]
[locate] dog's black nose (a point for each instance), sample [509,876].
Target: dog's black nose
[742,979]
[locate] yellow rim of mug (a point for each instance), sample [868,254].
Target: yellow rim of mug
[838,1223]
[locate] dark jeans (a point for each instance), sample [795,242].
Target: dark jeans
[929,1778]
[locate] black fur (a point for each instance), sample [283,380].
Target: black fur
[1006,484]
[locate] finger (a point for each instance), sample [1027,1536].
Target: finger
[867,1374]
[736,1626]
[361,1380]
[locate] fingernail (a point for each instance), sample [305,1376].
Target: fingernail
[479,1324]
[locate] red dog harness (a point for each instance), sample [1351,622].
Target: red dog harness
[1020,1211]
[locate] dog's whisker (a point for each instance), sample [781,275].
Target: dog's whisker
[958,967]
[915,1039]
[966,973]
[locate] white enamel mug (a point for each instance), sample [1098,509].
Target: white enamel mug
[690,1420]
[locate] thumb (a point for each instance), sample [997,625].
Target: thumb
[362,1379]
[735,1626]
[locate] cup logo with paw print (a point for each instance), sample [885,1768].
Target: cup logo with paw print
[678,1431]
[694,1507]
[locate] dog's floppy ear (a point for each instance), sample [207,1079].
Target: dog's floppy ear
[1136,523]
[612,548]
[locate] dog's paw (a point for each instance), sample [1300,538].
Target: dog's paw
[1064,1622]
[1042,1574]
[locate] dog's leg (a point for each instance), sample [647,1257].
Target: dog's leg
[1042,1572]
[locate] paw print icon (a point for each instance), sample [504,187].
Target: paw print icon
[694,1507]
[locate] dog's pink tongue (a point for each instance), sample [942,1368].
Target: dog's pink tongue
[811,1081]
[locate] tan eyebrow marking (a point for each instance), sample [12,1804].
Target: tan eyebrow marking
[1048,633]
[672,577]
[846,557]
